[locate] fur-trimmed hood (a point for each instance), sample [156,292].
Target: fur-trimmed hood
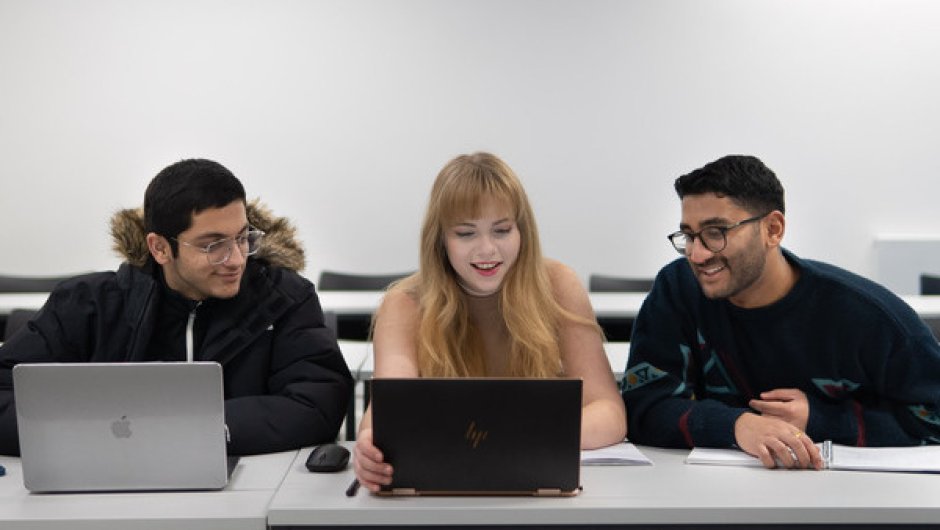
[280,246]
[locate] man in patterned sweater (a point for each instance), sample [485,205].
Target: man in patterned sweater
[742,343]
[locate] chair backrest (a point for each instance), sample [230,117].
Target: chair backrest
[16,320]
[30,284]
[929,284]
[934,325]
[329,318]
[599,283]
[341,281]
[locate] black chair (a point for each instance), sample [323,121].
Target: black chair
[23,284]
[341,281]
[599,283]
[329,318]
[16,320]
[355,327]
[29,284]
[929,284]
[617,329]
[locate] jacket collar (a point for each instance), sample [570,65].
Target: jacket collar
[235,323]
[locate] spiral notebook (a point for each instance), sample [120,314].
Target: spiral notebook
[916,459]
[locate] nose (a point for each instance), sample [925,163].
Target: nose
[235,258]
[487,247]
[696,251]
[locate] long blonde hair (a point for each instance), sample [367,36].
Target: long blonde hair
[447,342]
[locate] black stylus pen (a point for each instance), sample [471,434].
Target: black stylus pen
[353,488]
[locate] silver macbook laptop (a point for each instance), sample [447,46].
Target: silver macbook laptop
[121,426]
[481,436]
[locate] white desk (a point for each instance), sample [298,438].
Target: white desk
[364,303]
[361,361]
[612,305]
[617,305]
[340,302]
[359,358]
[243,504]
[11,301]
[668,493]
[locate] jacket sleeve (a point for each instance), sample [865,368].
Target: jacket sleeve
[308,387]
[53,335]
[660,384]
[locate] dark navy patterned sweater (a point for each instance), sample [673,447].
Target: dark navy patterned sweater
[869,366]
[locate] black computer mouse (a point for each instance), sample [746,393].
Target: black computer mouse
[328,458]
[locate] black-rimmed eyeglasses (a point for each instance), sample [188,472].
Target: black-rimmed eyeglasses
[713,238]
[218,252]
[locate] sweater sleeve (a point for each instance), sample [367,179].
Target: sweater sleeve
[899,405]
[660,384]
[880,381]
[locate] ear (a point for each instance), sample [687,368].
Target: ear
[776,225]
[159,248]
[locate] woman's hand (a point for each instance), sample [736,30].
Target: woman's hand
[371,470]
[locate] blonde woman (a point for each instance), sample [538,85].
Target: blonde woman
[484,302]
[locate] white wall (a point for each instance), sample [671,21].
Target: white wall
[339,113]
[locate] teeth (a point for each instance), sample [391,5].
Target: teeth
[485,266]
[714,270]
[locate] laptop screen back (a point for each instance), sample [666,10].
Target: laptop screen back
[121,426]
[480,435]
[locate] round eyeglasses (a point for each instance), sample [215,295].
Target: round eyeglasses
[713,238]
[218,252]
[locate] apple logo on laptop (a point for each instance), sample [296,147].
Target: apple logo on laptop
[121,428]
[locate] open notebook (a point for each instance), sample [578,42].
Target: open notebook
[621,454]
[917,459]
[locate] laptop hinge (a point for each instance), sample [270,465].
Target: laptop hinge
[548,492]
[404,491]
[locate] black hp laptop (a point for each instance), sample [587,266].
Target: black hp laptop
[479,436]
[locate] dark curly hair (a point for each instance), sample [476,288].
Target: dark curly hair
[744,179]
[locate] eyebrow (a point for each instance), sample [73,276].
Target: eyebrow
[711,221]
[474,225]
[216,236]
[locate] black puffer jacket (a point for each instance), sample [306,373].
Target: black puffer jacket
[286,383]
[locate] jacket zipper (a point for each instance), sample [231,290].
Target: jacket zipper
[190,324]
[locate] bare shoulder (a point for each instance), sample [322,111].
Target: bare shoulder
[398,303]
[566,285]
[563,277]
[393,337]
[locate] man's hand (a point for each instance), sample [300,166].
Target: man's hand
[776,442]
[787,404]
